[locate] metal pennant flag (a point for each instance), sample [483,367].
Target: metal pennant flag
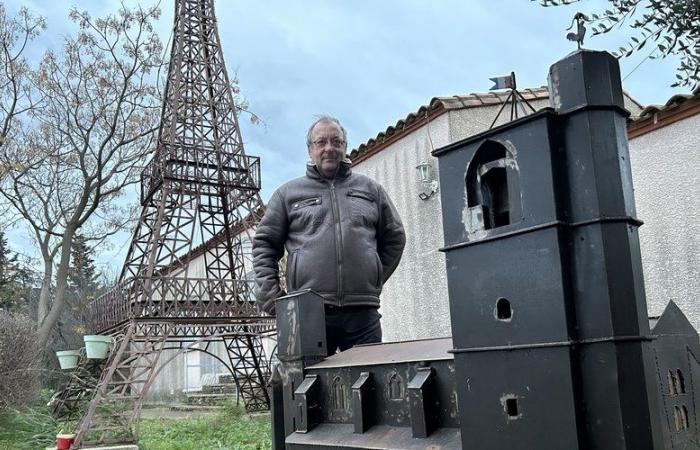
[504,82]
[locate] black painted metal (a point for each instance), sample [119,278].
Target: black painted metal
[551,347]
[277,409]
[421,401]
[362,404]
[579,284]
[294,340]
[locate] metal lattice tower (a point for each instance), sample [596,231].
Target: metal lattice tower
[199,195]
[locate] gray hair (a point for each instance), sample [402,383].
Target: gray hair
[325,118]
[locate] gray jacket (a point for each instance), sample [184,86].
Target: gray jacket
[343,237]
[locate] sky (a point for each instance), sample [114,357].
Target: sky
[367,62]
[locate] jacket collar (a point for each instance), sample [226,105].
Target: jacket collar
[344,171]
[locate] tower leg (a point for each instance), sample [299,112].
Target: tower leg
[114,411]
[251,370]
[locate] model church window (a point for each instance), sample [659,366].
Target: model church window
[680,416]
[504,311]
[511,407]
[395,387]
[489,181]
[680,381]
[339,398]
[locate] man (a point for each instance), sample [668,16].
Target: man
[343,238]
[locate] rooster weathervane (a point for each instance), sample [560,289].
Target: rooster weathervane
[577,37]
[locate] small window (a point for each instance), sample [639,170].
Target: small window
[504,311]
[672,383]
[339,397]
[680,418]
[681,381]
[684,417]
[511,406]
[395,387]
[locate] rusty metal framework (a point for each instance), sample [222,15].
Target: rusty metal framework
[199,196]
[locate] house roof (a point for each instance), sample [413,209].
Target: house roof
[438,106]
[653,117]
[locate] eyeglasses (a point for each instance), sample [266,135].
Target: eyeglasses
[335,142]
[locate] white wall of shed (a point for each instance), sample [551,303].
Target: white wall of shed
[665,166]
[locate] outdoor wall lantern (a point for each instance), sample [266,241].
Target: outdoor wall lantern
[428,182]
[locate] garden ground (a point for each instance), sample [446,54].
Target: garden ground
[228,429]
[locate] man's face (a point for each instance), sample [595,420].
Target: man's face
[327,147]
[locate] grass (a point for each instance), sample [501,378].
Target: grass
[230,429]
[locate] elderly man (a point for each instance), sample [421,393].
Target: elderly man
[343,238]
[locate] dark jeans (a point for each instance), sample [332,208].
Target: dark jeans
[351,325]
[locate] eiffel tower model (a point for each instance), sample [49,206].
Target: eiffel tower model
[199,196]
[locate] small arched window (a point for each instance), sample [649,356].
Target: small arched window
[504,311]
[490,181]
[678,421]
[684,418]
[672,383]
[395,387]
[339,397]
[681,381]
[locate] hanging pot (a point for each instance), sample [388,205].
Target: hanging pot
[97,346]
[68,359]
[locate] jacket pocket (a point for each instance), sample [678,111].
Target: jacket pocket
[363,207]
[306,202]
[291,274]
[307,215]
[361,194]
[380,271]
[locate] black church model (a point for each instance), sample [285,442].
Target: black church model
[551,345]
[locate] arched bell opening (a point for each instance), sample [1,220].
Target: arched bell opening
[493,188]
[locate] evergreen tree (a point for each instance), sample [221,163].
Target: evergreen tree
[82,276]
[14,279]
[83,282]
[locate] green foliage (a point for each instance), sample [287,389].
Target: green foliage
[230,429]
[672,26]
[83,287]
[29,429]
[14,279]
[82,275]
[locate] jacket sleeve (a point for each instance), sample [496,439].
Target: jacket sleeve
[268,249]
[391,237]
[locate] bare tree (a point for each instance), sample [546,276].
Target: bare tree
[16,95]
[86,143]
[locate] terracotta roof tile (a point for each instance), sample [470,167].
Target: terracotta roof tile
[675,100]
[439,105]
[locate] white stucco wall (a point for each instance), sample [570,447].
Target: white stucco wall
[415,300]
[665,166]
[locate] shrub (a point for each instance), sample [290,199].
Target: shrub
[19,357]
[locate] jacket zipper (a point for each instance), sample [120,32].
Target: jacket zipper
[338,238]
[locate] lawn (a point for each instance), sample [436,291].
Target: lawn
[230,429]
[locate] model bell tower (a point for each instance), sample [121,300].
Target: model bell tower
[551,340]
